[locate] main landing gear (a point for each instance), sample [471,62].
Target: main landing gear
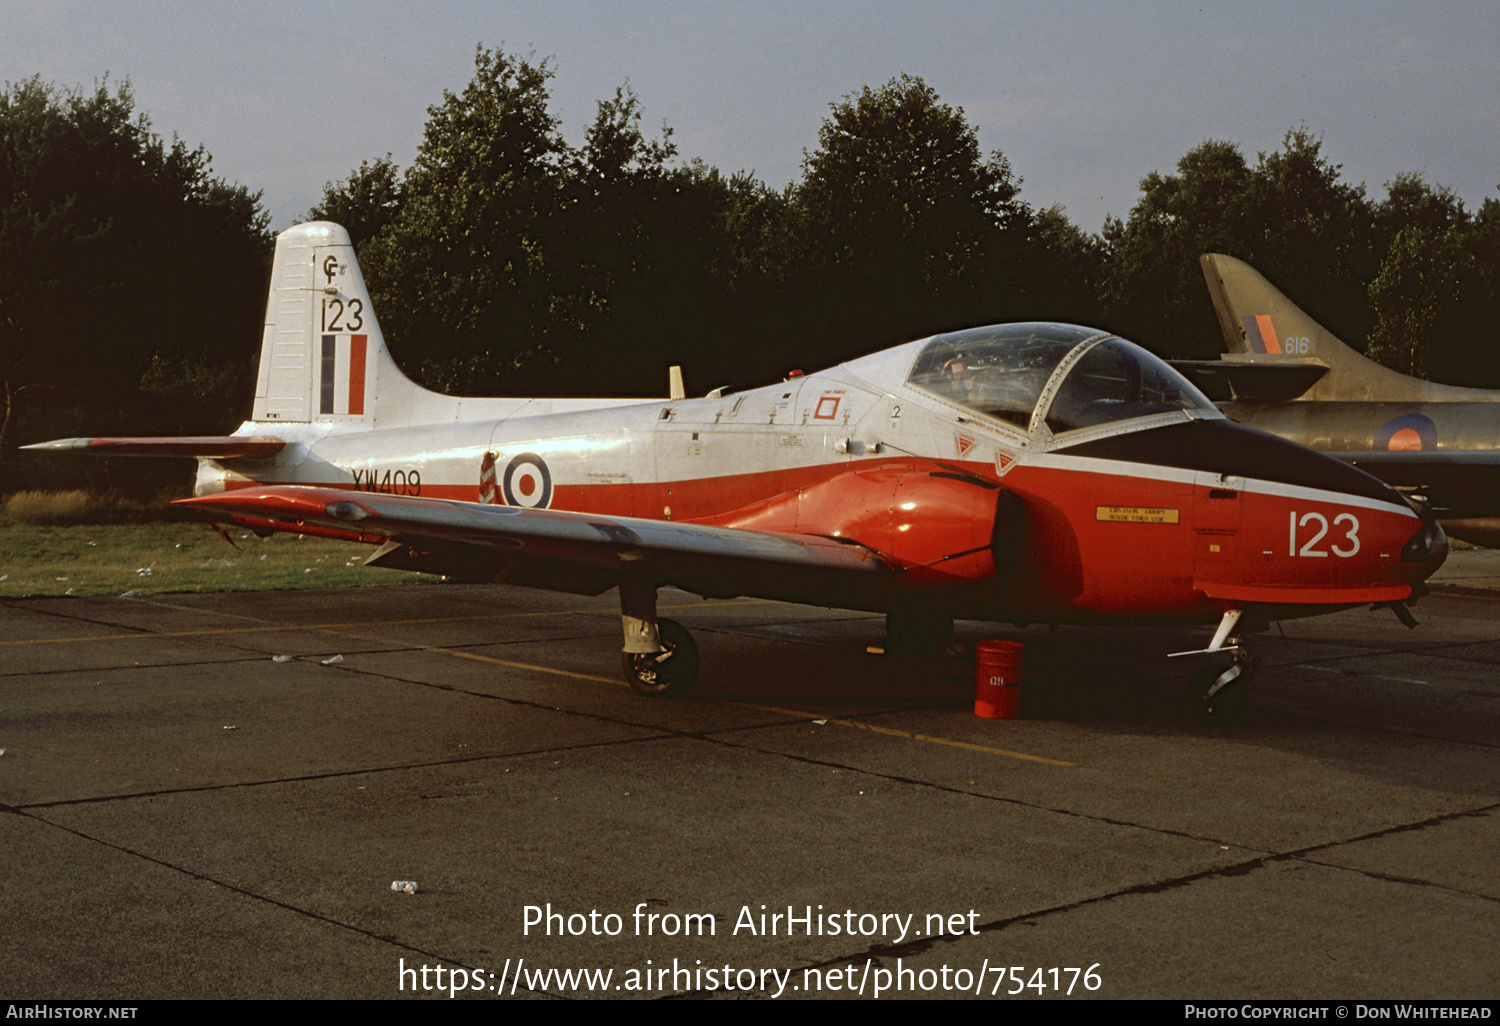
[1220,695]
[660,657]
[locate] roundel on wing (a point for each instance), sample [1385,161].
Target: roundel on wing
[527,482]
[1410,432]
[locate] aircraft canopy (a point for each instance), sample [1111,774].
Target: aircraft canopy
[1065,376]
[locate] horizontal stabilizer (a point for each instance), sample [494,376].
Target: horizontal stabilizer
[217,447]
[1247,382]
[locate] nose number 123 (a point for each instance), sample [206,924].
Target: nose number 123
[1314,531]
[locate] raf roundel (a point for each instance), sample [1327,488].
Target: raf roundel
[1410,432]
[527,482]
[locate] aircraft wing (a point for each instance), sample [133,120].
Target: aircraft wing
[205,446]
[584,553]
[1456,482]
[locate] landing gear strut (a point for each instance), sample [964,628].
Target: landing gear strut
[1220,695]
[660,657]
[669,673]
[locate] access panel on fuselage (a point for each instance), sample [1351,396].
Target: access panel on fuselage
[715,456]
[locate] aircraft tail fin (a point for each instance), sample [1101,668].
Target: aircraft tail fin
[1263,328]
[322,355]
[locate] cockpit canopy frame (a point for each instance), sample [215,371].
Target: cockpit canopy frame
[1048,380]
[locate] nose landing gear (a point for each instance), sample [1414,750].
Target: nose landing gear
[1220,695]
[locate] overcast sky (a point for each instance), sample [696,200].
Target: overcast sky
[1083,98]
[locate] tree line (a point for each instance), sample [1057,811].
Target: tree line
[132,282]
[506,261]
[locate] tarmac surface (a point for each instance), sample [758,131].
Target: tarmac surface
[210,796]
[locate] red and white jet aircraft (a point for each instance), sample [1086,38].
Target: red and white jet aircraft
[1028,473]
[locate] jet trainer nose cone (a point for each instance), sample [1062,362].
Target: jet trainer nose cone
[1425,552]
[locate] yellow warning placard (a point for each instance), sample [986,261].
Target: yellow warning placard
[1136,514]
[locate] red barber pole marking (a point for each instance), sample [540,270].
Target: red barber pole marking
[487,492]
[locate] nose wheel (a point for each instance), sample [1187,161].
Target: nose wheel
[1220,695]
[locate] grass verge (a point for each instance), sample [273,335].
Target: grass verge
[77,506]
[152,558]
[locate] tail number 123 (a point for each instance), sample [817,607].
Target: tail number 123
[338,317]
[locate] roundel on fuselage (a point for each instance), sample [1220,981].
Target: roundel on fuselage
[527,482]
[1410,432]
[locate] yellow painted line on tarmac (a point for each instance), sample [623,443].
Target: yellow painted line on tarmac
[799,713]
[949,742]
[535,668]
[266,628]
[525,666]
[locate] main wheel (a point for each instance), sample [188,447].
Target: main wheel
[670,673]
[1227,706]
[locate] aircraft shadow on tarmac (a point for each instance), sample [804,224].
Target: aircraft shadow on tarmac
[1070,673]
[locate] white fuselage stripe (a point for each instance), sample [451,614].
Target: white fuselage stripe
[1179,475]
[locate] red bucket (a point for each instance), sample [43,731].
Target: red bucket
[997,679]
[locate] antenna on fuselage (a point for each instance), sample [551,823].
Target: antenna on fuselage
[675,389]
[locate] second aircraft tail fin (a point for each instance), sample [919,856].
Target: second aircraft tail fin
[1262,327]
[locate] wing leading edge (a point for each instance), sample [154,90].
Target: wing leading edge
[583,553]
